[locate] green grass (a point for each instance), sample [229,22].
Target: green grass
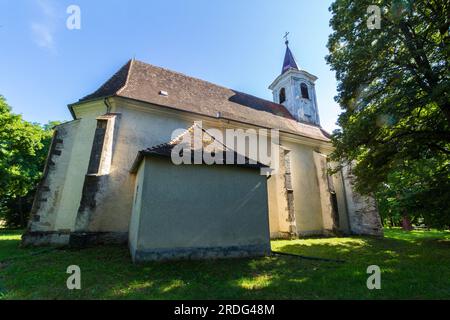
[414,265]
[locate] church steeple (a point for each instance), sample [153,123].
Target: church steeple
[289,60]
[295,89]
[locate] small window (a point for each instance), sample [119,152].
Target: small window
[282,96]
[304,89]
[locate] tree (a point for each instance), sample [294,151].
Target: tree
[393,87]
[416,192]
[23,150]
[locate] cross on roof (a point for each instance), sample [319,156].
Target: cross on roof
[286,37]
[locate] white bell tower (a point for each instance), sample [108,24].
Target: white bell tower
[295,89]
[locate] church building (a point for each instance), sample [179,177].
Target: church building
[109,176]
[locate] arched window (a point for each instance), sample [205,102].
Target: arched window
[282,96]
[304,89]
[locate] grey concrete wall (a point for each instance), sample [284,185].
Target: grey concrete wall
[196,211]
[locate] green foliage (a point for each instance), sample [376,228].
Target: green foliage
[419,190]
[394,86]
[23,150]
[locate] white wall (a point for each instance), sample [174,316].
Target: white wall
[57,168]
[78,165]
[139,126]
[136,129]
[308,210]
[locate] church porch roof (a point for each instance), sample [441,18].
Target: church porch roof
[165,149]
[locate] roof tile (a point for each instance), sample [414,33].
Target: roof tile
[144,82]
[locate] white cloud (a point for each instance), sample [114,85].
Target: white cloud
[47,8]
[43,31]
[43,35]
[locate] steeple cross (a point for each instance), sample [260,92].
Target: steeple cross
[286,37]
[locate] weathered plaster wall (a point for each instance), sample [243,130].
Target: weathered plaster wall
[281,199]
[78,164]
[98,170]
[194,211]
[344,226]
[136,129]
[58,199]
[48,197]
[362,210]
[307,203]
[302,109]
[138,126]
[320,161]
[274,207]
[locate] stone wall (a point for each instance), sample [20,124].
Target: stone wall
[363,215]
[72,239]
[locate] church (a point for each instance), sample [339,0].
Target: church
[110,178]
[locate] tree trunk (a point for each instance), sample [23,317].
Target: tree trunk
[406,222]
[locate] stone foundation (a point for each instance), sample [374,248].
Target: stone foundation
[201,253]
[38,238]
[73,239]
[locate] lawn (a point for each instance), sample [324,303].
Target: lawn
[414,265]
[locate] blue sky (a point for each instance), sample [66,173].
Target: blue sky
[235,43]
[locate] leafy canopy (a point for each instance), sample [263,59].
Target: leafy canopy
[23,150]
[393,87]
